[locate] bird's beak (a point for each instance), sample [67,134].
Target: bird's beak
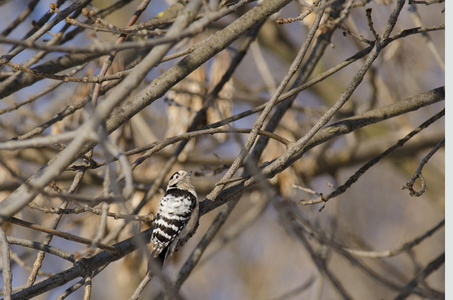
[190,173]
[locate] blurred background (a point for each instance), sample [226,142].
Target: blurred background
[270,246]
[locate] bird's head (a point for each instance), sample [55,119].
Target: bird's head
[181,180]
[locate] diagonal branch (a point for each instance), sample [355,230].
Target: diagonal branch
[325,134]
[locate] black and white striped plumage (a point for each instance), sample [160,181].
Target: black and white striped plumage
[177,215]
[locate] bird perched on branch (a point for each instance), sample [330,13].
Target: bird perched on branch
[177,216]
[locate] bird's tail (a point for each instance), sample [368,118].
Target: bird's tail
[155,264]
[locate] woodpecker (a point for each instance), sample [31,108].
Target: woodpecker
[177,216]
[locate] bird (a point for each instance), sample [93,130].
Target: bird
[177,217]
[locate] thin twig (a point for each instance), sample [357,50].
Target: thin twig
[371,25]
[79,284]
[426,2]
[299,88]
[138,291]
[6,265]
[45,28]
[418,173]
[418,22]
[341,189]
[84,209]
[42,247]
[411,285]
[340,128]
[64,235]
[56,220]
[291,225]
[405,247]
[88,287]
[21,17]
[111,56]
[194,29]
[259,123]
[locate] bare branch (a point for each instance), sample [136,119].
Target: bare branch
[42,247]
[88,142]
[64,235]
[418,173]
[341,189]
[6,265]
